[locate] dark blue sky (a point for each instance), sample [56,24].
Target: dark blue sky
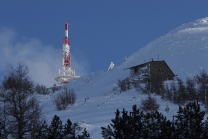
[102,30]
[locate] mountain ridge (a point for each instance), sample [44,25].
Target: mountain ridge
[180,49]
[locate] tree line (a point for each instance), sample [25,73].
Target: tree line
[21,116]
[176,91]
[187,124]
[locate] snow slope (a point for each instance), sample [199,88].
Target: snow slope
[184,49]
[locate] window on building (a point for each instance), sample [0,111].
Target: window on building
[136,70]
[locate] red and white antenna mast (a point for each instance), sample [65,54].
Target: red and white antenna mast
[66,54]
[66,73]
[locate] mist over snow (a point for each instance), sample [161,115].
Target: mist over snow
[43,61]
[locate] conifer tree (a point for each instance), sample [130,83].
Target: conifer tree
[136,122]
[202,83]
[204,133]
[120,125]
[174,92]
[69,131]
[58,131]
[182,96]
[136,125]
[188,122]
[190,89]
[55,129]
[84,135]
[124,125]
[43,132]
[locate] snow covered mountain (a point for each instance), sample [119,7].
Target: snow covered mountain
[185,50]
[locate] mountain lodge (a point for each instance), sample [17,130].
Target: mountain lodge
[152,70]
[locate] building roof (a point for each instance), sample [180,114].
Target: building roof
[144,64]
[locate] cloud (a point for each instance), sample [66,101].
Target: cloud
[43,61]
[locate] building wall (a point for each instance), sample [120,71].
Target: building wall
[140,72]
[160,70]
[153,69]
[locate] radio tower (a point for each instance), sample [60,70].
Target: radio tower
[66,73]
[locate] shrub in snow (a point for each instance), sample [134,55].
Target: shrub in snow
[55,88]
[127,84]
[167,109]
[41,89]
[115,88]
[124,84]
[136,84]
[64,98]
[150,104]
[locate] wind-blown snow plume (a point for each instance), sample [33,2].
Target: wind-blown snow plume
[43,60]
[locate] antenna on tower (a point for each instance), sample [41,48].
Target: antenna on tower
[66,73]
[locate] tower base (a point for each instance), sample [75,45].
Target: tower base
[65,79]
